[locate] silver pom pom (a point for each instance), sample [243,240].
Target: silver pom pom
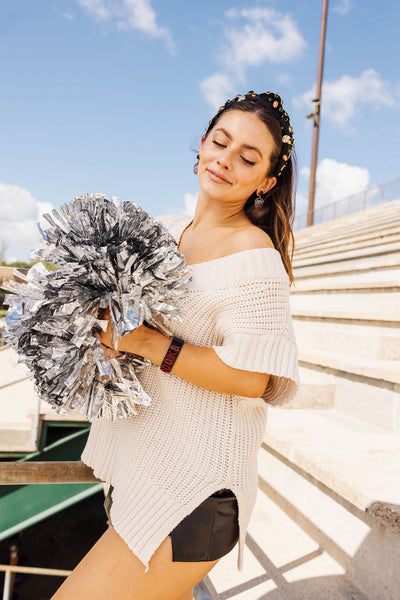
[108,254]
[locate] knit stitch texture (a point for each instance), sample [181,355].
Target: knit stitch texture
[190,442]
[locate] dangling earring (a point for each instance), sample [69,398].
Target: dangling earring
[259,200]
[196,165]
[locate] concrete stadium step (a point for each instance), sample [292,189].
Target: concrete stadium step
[11,370]
[17,438]
[20,409]
[349,254]
[372,400]
[355,265]
[315,238]
[365,222]
[333,284]
[327,242]
[355,242]
[335,232]
[17,401]
[367,339]
[337,478]
[376,217]
[359,278]
[382,305]
[381,370]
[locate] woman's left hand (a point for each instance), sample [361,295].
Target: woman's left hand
[136,342]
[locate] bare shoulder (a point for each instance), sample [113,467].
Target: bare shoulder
[248,238]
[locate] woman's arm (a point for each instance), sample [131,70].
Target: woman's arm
[198,365]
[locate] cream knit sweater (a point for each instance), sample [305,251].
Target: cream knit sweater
[190,442]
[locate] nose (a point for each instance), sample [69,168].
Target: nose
[225,159]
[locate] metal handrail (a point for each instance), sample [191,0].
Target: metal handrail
[21,473]
[34,570]
[331,209]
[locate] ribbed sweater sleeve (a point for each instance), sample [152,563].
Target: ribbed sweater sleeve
[256,327]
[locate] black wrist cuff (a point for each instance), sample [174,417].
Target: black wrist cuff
[171,355]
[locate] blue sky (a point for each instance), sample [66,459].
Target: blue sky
[113,95]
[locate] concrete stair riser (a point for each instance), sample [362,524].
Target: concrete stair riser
[326,249]
[348,254]
[361,282]
[369,400]
[375,214]
[16,440]
[375,264]
[371,217]
[307,242]
[381,305]
[372,401]
[355,233]
[363,339]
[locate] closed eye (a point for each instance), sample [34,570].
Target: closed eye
[249,162]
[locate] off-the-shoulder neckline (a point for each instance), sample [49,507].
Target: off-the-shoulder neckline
[187,220]
[239,254]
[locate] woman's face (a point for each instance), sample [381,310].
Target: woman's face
[235,158]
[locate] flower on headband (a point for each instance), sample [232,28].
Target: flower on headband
[287,139]
[239,98]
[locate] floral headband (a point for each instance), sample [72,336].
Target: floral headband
[275,101]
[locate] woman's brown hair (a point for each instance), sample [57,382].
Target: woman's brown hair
[276,215]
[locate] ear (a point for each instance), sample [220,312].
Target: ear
[268,185]
[203,139]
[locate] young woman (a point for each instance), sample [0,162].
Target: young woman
[183,471]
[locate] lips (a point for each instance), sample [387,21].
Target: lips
[216,177]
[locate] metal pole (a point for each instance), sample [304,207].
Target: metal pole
[316,115]
[34,570]
[7,586]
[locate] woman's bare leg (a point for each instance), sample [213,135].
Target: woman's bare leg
[110,571]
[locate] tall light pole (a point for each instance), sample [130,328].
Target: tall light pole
[316,115]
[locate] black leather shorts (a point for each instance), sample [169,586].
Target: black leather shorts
[208,533]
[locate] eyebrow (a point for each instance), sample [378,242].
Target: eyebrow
[247,146]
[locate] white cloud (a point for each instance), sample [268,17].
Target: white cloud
[16,203]
[343,7]
[305,171]
[95,8]
[252,37]
[190,204]
[338,180]
[266,36]
[342,97]
[19,214]
[334,181]
[128,14]
[217,88]
[301,203]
